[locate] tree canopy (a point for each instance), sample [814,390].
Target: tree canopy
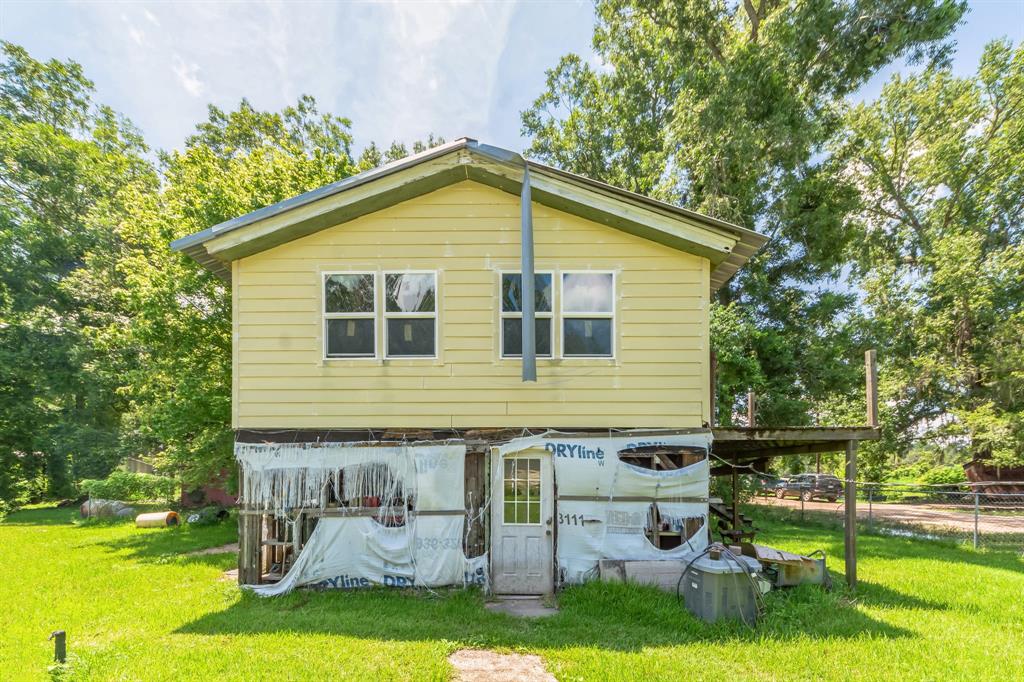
[894,224]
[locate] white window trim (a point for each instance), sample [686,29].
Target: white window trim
[415,315]
[562,315]
[502,315]
[348,316]
[540,473]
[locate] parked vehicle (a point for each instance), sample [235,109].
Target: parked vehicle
[810,486]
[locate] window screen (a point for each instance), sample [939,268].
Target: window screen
[350,327]
[410,314]
[588,319]
[512,314]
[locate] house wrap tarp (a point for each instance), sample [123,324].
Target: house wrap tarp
[597,510]
[358,551]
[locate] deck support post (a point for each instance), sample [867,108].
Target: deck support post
[850,525]
[735,494]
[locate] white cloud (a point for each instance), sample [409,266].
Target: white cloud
[398,71]
[187,74]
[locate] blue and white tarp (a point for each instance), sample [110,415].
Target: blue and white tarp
[358,551]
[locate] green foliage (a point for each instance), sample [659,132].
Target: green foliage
[903,612]
[127,486]
[728,108]
[937,161]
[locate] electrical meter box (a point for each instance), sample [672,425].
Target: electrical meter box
[717,588]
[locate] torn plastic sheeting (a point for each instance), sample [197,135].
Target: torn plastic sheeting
[616,530]
[356,552]
[282,477]
[604,527]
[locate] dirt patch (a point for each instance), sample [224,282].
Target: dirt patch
[476,665]
[926,516]
[230,576]
[230,548]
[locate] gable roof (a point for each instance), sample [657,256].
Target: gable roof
[727,246]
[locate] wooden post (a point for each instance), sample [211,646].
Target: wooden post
[850,529]
[735,494]
[871,387]
[713,376]
[249,526]
[249,569]
[751,409]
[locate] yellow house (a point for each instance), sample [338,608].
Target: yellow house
[389,300]
[388,307]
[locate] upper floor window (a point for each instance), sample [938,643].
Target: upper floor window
[512,314]
[410,314]
[350,315]
[588,314]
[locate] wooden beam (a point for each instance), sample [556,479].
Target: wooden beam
[806,449]
[850,525]
[871,386]
[839,434]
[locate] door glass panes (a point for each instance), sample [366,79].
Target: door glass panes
[522,491]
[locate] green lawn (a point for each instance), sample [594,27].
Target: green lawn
[135,608]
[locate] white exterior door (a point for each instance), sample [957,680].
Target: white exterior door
[521,523]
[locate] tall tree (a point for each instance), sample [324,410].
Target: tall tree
[180,314]
[939,164]
[63,161]
[728,107]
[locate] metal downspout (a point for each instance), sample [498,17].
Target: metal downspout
[528,280]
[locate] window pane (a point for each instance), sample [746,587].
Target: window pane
[410,292]
[521,512]
[534,513]
[510,512]
[510,468]
[411,337]
[587,292]
[588,336]
[512,336]
[348,294]
[350,337]
[512,293]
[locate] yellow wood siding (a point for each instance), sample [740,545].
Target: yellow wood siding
[468,233]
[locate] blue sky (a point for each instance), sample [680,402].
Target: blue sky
[398,70]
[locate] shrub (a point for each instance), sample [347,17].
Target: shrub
[127,486]
[944,475]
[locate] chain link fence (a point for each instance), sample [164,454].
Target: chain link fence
[984,515]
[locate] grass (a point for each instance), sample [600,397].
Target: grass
[136,607]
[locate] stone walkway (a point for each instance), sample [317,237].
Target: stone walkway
[476,665]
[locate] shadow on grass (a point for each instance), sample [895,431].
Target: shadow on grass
[48,516]
[613,616]
[160,544]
